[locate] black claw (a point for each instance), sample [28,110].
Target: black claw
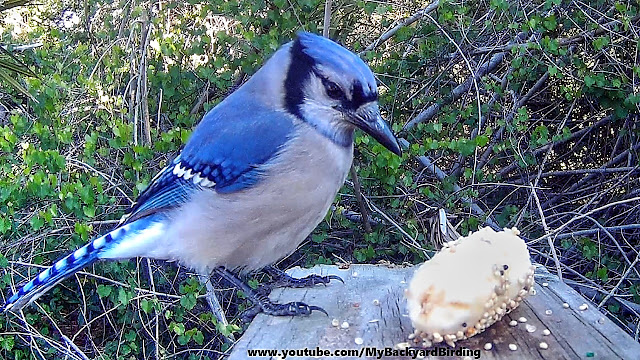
[284,280]
[295,308]
[335,277]
[318,308]
[260,296]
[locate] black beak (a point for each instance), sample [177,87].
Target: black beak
[368,118]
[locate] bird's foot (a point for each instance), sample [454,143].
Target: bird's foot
[282,279]
[262,302]
[267,307]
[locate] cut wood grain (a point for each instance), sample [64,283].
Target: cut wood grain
[372,302]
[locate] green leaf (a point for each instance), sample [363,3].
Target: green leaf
[198,337]
[177,328]
[146,306]
[188,301]
[104,290]
[603,274]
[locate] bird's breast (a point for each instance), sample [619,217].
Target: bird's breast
[258,226]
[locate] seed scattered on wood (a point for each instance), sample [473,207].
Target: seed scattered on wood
[522,319]
[488,346]
[402,345]
[513,347]
[411,336]
[548,312]
[359,341]
[545,284]
[544,346]
[583,307]
[530,328]
[376,302]
[565,305]
[601,321]
[345,325]
[374,320]
[513,323]
[546,332]
[335,322]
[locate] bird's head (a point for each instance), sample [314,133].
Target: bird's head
[332,89]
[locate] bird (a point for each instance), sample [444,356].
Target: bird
[257,175]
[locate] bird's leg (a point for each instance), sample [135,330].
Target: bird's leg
[262,302]
[282,279]
[214,304]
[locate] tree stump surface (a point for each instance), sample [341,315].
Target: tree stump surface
[372,302]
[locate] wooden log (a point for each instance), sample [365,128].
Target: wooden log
[372,303]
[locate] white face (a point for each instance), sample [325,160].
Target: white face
[321,103]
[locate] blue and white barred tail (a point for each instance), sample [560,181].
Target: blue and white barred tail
[113,245]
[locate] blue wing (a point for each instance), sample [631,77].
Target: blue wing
[224,152]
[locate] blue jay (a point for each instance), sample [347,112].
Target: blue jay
[257,175]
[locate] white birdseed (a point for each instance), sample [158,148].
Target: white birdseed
[376,302]
[513,323]
[345,325]
[355,274]
[545,284]
[565,305]
[359,341]
[544,346]
[530,328]
[546,332]
[548,312]
[513,347]
[488,346]
[583,307]
[335,322]
[522,319]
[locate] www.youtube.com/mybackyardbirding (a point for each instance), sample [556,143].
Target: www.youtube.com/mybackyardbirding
[258,174]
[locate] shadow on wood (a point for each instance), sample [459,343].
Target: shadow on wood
[372,303]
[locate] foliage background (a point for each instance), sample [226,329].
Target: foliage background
[515,113]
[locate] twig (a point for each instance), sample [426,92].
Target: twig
[595,231]
[18,48]
[433,168]
[587,178]
[461,89]
[358,192]
[327,18]
[402,23]
[622,278]
[202,99]
[573,136]
[514,110]
[582,216]
[546,230]
[79,163]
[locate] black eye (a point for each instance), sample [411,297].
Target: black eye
[333,90]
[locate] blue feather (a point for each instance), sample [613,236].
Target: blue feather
[75,261]
[227,148]
[234,139]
